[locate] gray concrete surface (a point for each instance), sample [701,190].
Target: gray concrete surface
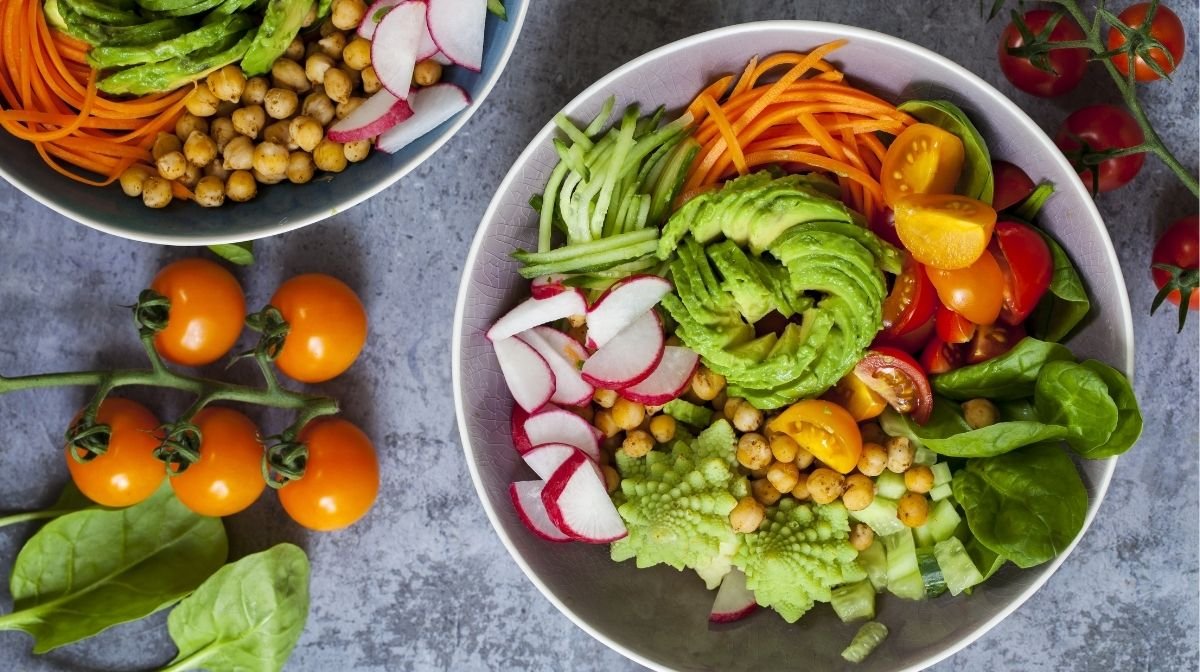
[422,583]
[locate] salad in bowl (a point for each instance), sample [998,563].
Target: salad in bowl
[804,344]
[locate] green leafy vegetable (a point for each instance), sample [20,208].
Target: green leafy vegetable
[92,569]
[241,254]
[987,561]
[247,616]
[1076,397]
[1026,506]
[1034,202]
[1066,302]
[1009,376]
[947,432]
[977,180]
[1129,416]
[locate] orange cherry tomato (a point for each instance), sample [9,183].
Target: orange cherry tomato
[852,394]
[328,327]
[341,478]
[208,309]
[944,230]
[975,292]
[825,429]
[127,472]
[228,477]
[923,159]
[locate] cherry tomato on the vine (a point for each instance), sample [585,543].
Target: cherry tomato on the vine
[1100,128]
[1164,27]
[228,477]
[341,478]
[127,472]
[327,327]
[208,309]
[1179,248]
[1013,185]
[1068,64]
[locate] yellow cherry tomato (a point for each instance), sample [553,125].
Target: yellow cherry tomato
[327,327]
[852,394]
[228,477]
[923,159]
[127,472]
[341,477]
[825,429]
[207,312]
[944,230]
[975,292]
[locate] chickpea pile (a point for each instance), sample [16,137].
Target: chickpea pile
[239,132]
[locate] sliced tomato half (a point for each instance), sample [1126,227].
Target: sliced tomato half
[911,302]
[912,342]
[992,340]
[952,327]
[940,356]
[899,379]
[1025,261]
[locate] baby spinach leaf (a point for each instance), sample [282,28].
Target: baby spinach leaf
[241,254]
[1009,376]
[977,180]
[1065,303]
[1129,416]
[1026,506]
[1076,397]
[987,561]
[246,616]
[92,569]
[1020,409]
[947,432]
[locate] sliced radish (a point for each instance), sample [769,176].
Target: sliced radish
[457,28]
[441,58]
[535,312]
[377,114]
[568,347]
[529,377]
[578,502]
[432,106]
[623,303]
[394,48]
[629,357]
[558,426]
[734,600]
[527,499]
[670,378]
[375,14]
[548,457]
[569,386]
[520,438]
[545,286]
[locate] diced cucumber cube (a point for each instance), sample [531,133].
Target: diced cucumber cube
[943,520]
[874,562]
[901,555]
[941,473]
[924,536]
[880,516]
[958,570]
[924,456]
[854,602]
[890,485]
[940,492]
[931,572]
[910,587]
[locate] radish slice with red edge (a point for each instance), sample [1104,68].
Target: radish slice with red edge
[457,28]
[531,313]
[375,14]
[568,347]
[734,600]
[621,304]
[545,286]
[545,459]
[629,358]
[394,48]
[377,114]
[520,438]
[570,388]
[527,500]
[556,425]
[432,106]
[578,503]
[529,377]
[670,378]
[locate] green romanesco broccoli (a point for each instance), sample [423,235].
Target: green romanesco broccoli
[797,556]
[676,504]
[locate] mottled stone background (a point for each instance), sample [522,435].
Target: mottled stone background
[422,583]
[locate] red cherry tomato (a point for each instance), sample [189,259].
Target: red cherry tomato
[899,379]
[992,340]
[912,342]
[1025,261]
[1068,64]
[1180,248]
[911,302]
[952,327]
[975,292]
[940,357]
[1102,127]
[1164,27]
[1013,185]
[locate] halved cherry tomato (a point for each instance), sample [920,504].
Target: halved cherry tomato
[1165,27]
[127,472]
[228,477]
[923,159]
[912,342]
[911,302]
[952,327]
[940,357]
[1027,266]
[852,394]
[944,230]
[899,379]
[992,340]
[975,292]
[1013,185]
[825,429]
[207,311]
[327,327]
[341,478]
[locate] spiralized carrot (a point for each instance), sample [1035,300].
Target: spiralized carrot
[807,118]
[48,96]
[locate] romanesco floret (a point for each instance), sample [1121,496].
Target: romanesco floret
[676,504]
[797,556]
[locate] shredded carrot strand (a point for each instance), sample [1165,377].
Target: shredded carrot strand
[716,91]
[718,117]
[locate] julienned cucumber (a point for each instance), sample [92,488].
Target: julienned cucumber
[593,256]
[854,601]
[958,569]
[931,572]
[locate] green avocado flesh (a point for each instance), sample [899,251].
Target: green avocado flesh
[790,247]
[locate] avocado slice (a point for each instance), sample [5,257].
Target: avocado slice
[281,24]
[95,33]
[174,73]
[742,280]
[102,12]
[104,57]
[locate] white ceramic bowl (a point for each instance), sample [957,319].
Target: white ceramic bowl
[658,616]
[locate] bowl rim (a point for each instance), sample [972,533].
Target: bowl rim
[1124,320]
[516,19]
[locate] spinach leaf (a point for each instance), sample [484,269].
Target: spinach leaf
[1129,416]
[241,254]
[987,561]
[1065,303]
[977,180]
[1009,376]
[947,433]
[1026,506]
[246,616]
[1021,409]
[1076,397]
[92,569]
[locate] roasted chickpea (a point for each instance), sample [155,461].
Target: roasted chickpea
[861,536]
[344,109]
[784,447]
[662,427]
[188,123]
[240,186]
[318,106]
[249,120]
[281,103]
[731,406]
[913,509]
[132,179]
[764,492]
[800,490]
[306,132]
[165,143]
[872,433]
[628,414]
[753,451]
[370,80]
[210,192]
[357,54]
[427,73]
[605,398]
[980,413]
[860,492]
[783,475]
[238,154]
[637,443]
[747,515]
[300,167]
[605,423]
[279,133]
[825,485]
[172,165]
[255,91]
[228,83]
[706,384]
[919,479]
[199,149]
[271,160]
[201,102]
[287,74]
[263,178]
[347,14]
[612,479]
[900,454]
[316,66]
[216,169]
[326,29]
[804,459]
[357,151]
[295,50]
[191,175]
[747,418]
[333,44]
[156,192]
[222,131]
[338,85]
[873,459]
